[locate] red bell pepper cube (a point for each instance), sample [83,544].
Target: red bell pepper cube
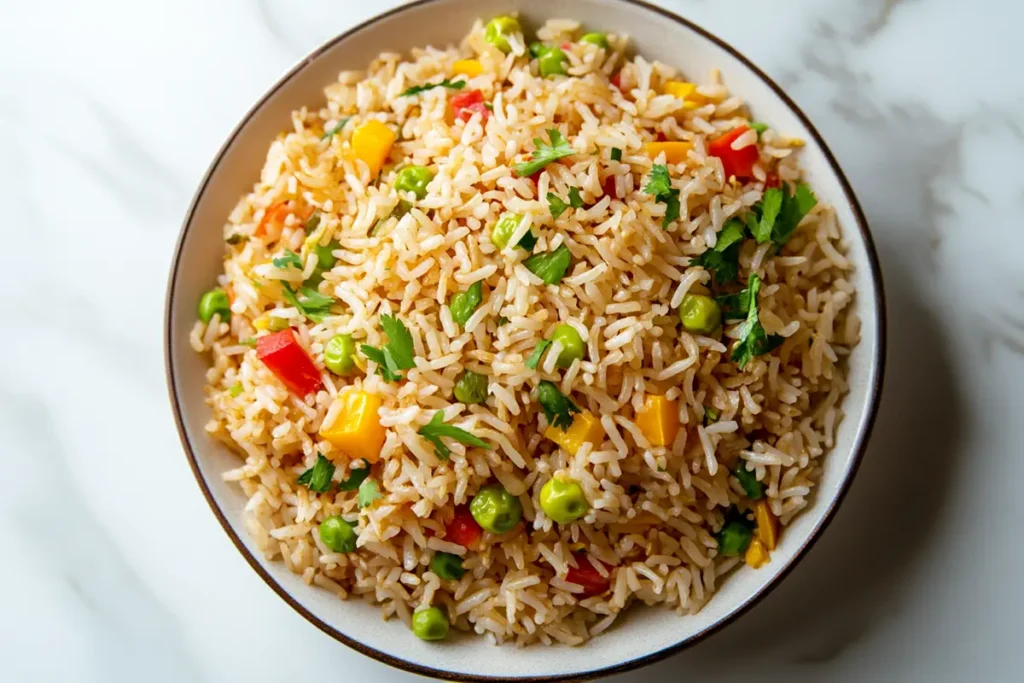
[463,529]
[735,162]
[465,104]
[587,576]
[284,355]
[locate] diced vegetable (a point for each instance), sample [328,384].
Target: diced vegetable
[430,623]
[700,314]
[463,529]
[447,566]
[735,162]
[687,92]
[465,104]
[495,509]
[616,154]
[498,29]
[417,89]
[505,227]
[463,304]
[767,524]
[585,428]
[371,143]
[236,390]
[659,184]
[467,67]
[563,500]
[757,555]
[414,179]
[434,430]
[397,354]
[599,39]
[356,431]
[734,538]
[551,62]
[338,535]
[325,260]
[273,221]
[283,355]
[758,128]
[748,481]
[558,408]
[545,153]
[659,420]
[214,301]
[675,150]
[339,354]
[552,266]
[471,388]
[586,575]
[572,345]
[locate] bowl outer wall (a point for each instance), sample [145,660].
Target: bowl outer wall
[643,634]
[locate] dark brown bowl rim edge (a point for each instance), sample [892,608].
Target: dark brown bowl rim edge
[859,447]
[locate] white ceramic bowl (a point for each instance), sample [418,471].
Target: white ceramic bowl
[644,634]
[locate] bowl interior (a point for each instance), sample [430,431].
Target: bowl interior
[643,632]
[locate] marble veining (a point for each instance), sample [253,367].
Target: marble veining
[113,569]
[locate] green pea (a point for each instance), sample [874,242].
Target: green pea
[537,49]
[599,39]
[338,535]
[429,623]
[495,509]
[503,230]
[214,301]
[498,29]
[563,500]
[700,313]
[572,345]
[447,566]
[471,388]
[340,354]
[734,538]
[462,304]
[414,179]
[748,480]
[552,62]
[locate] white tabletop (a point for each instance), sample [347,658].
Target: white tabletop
[112,568]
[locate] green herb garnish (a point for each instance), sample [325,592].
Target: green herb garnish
[396,354]
[552,266]
[318,477]
[369,491]
[723,260]
[660,185]
[616,154]
[544,154]
[735,306]
[336,129]
[309,302]
[436,429]
[417,89]
[463,304]
[556,205]
[710,415]
[748,481]
[534,360]
[794,207]
[558,408]
[753,340]
[502,321]
[575,200]
[758,128]
[289,260]
[236,238]
[356,476]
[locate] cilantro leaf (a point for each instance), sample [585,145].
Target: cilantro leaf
[723,265]
[575,200]
[616,154]
[417,89]
[558,408]
[534,360]
[289,260]
[528,242]
[552,266]
[794,207]
[753,340]
[396,354]
[556,205]
[236,238]
[659,184]
[336,129]
[369,491]
[762,219]
[356,475]
[734,306]
[318,477]
[545,153]
[502,321]
[309,302]
[434,430]
[731,233]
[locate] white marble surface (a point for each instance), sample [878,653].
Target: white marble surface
[113,569]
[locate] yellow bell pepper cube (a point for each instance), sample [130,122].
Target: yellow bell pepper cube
[757,555]
[467,67]
[675,151]
[687,92]
[356,431]
[767,524]
[371,143]
[585,427]
[659,420]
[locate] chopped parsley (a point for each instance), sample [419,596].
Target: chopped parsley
[723,260]
[552,266]
[534,360]
[318,477]
[309,302]
[616,154]
[794,207]
[436,429]
[545,153]
[556,205]
[289,260]
[236,238]
[753,340]
[417,89]
[356,476]
[528,242]
[336,129]
[397,354]
[369,491]
[735,306]
[502,321]
[558,408]
[660,185]
[575,200]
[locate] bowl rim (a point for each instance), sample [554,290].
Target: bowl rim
[859,447]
